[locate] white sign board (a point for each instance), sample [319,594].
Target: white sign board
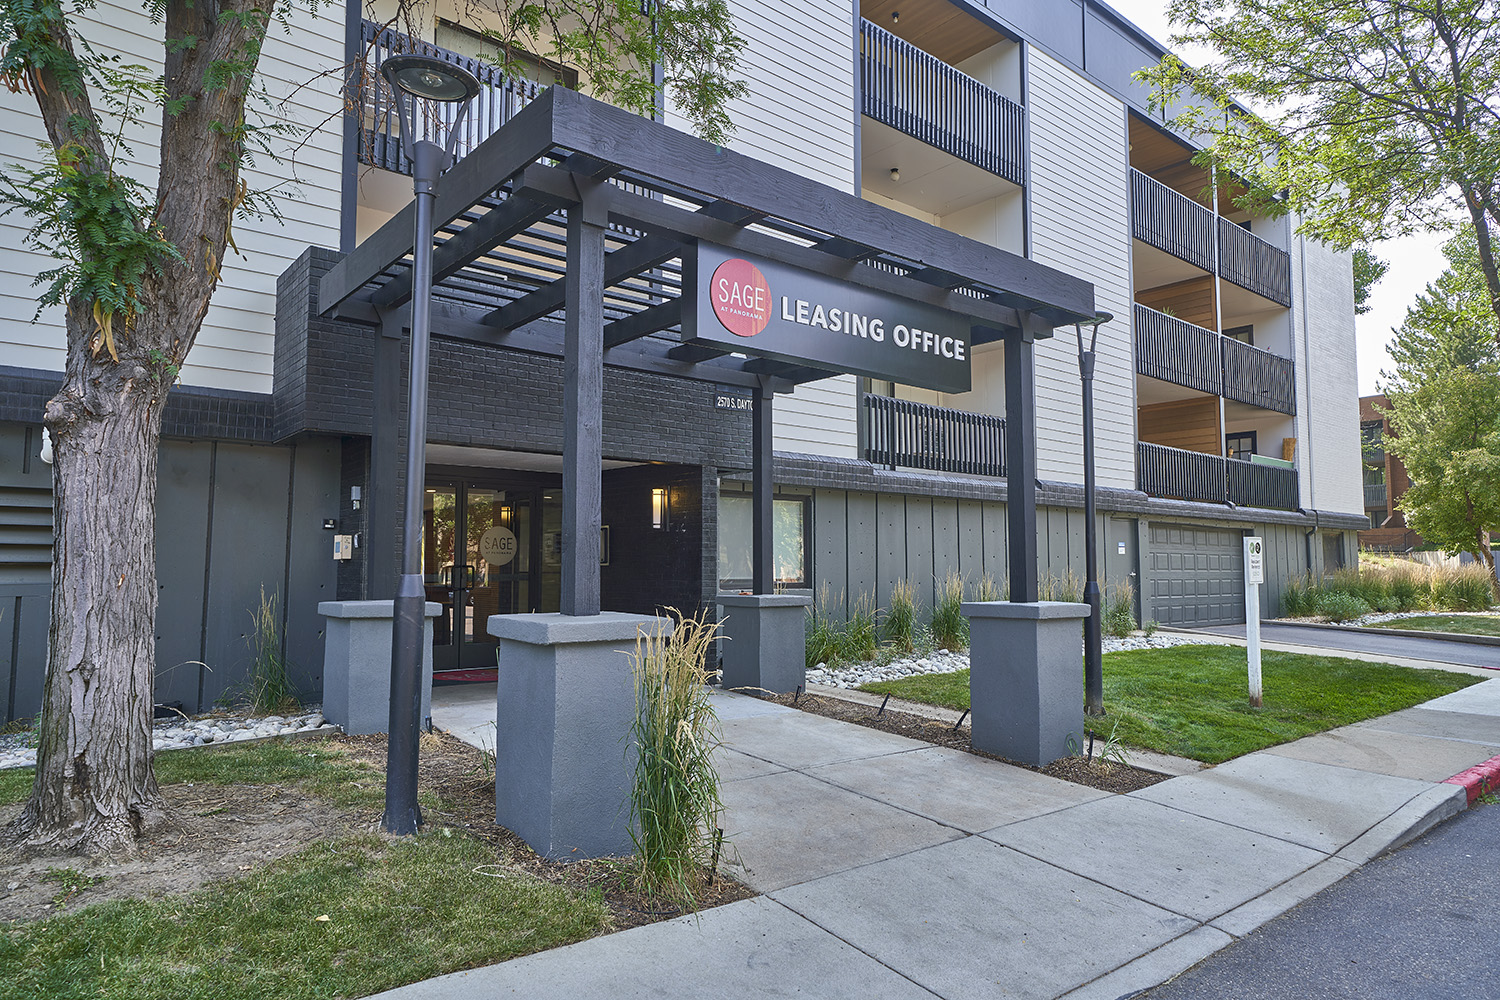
[498,545]
[1255,563]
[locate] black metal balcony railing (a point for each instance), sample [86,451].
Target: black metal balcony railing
[919,94]
[1176,351]
[1253,485]
[1179,474]
[1171,222]
[1375,495]
[1253,264]
[1259,377]
[500,97]
[899,433]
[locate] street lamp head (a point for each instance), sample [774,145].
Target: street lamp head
[1100,318]
[430,78]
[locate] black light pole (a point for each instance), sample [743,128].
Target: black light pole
[412,78]
[1093,626]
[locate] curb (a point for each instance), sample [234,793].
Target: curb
[1481,779]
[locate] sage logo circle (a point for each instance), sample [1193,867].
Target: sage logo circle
[498,545]
[741,297]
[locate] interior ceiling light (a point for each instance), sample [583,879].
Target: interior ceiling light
[895,173]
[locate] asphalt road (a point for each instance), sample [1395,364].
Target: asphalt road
[1440,650]
[1414,924]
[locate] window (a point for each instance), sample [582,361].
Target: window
[1333,552]
[468,42]
[789,539]
[1240,445]
[1244,334]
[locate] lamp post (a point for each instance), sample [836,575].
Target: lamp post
[1093,626]
[414,78]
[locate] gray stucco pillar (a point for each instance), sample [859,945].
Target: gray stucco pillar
[765,641]
[1025,678]
[564,705]
[357,664]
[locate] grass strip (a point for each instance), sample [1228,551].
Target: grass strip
[1191,701]
[397,912]
[1465,624]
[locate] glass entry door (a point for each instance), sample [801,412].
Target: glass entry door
[477,561]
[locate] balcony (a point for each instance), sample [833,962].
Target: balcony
[1375,494]
[1258,377]
[1171,222]
[1253,264]
[899,433]
[1177,351]
[1178,474]
[500,97]
[920,95]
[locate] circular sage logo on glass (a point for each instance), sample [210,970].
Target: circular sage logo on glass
[741,297]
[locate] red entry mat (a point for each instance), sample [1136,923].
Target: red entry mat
[477,676]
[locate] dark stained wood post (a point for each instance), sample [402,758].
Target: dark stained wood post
[583,406]
[1020,461]
[763,566]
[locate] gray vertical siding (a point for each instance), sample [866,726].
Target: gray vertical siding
[230,518]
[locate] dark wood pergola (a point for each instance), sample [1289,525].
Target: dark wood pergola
[579,211]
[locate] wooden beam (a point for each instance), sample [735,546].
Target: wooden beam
[493,162]
[693,353]
[643,323]
[626,262]
[499,224]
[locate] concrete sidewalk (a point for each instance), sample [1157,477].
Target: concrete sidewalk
[892,868]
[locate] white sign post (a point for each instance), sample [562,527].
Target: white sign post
[1255,575]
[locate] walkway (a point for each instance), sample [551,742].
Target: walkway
[891,868]
[1401,647]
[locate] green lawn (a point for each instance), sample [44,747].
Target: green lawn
[1191,700]
[1467,624]
[397,910]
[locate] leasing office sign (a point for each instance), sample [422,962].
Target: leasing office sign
[756,306]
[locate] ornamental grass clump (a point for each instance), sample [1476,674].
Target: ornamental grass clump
[268,684]
[1119,613]
[858,637]
[900,625]
[674,802]
[950,629]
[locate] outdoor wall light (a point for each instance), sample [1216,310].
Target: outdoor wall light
[660,507]
[414,78]
[895,17]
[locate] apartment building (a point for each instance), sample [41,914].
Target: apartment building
[1225,383]
[1385,482]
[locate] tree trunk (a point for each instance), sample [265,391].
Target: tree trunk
[94,790]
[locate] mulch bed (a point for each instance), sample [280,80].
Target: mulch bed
[1107,776]
[463,776]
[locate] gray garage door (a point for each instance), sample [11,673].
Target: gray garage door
[1196,576]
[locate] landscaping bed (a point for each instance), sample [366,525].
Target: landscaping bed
[274,880]
[1191,701]
[1463,624]
[1109,776]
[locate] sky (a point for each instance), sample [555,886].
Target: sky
[1415,260]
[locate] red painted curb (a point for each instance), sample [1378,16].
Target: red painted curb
[1478,780]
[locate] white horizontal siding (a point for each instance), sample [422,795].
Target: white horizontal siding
[798,112]
[819,418]
[1080,224]
[299,70]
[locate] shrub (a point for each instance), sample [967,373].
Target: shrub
[1470,588]
[1340,606]
[1119,614]
[950,629]
[900,625]
[1406,587]
[674,801]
